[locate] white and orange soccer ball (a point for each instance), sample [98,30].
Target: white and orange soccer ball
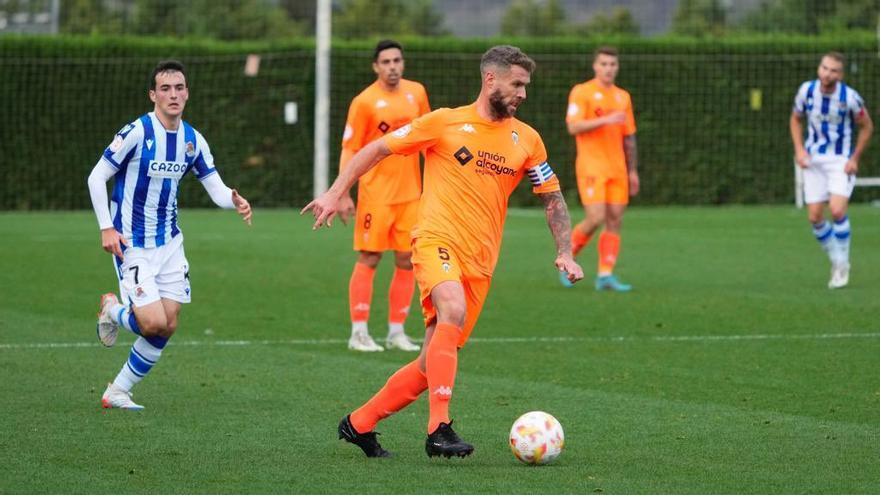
[536,438]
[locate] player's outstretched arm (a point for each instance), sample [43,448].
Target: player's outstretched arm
[327,206]
[227,198]
[242,207]
[560,227]
[111,240]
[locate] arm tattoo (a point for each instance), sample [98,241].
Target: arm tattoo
[631,153]
[558,220]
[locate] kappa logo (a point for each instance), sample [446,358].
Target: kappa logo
[402,132]
[149,144]
[445,267]
[410,98]
[443,391]
[572,109]
[515,137]
[361,307]
[190,149]
[468,128]
[463,155]
[597,95]
[348,133]
[381,104]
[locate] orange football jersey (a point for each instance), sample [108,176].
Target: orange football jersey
[373,113]
[471,167]
[600,151]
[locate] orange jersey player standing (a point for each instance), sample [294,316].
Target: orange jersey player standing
[600,117]
[474,158]
[387,196]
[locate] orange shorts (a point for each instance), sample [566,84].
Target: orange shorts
[380,228]
[596,189]
[435,261]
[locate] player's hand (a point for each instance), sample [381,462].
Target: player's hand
[802,158]
[566,264]
[112,241]
[324,208]
[851,167]
[615,118]
[346,209]
[633,183]
[242,207]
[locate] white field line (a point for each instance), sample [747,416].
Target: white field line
[478,340]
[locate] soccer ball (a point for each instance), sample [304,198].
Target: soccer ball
[536,438]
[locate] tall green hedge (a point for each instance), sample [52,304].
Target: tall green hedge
[700,141]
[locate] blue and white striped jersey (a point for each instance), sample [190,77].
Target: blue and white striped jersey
[150,161]
[830,117]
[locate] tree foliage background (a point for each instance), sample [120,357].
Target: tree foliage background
[358,19]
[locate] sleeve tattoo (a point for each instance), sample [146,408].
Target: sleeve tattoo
[558,220]
[631,152]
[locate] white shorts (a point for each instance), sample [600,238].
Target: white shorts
[825,176]
[147,275]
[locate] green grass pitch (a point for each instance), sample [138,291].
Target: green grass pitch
[730,369]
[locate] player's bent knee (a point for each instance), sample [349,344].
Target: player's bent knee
[153,327]
[837,212]
[453,313]
[169,330]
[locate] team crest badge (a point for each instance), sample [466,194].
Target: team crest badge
[515,137]
[190,149]
[116,145]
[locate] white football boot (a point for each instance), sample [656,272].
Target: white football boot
[839,276]
[361,341]
[107,328]
[116,398]
[399,340]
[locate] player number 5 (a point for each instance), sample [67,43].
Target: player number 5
[443,253]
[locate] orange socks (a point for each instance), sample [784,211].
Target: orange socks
[409,382]
[578,240]
[400,295]
[399,391]
[441,363]
[609,247]
[360,292]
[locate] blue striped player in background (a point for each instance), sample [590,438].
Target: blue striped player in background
[829,160]
[147,158]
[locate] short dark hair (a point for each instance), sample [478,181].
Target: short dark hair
[166,66]
[504,56]
[834,55]
[384,45]
[605,50]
